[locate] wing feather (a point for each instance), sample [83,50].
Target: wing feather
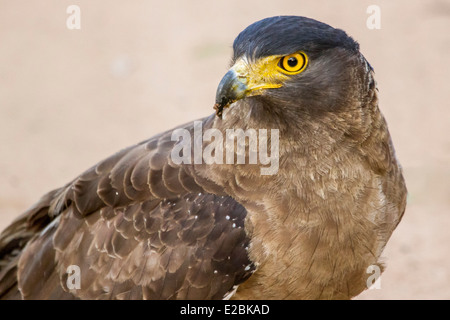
[139,227]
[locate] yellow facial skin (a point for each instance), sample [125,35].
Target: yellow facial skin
[268,72]
[263,74]
[246,79]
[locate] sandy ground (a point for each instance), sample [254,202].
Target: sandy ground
[69,98]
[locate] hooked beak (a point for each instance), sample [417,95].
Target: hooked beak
[247,79]
[231,88]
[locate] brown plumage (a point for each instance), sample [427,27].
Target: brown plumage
[141,226]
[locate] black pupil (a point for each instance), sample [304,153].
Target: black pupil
[292,62]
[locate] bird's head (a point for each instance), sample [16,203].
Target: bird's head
[292,66]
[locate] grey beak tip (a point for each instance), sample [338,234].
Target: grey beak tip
[224,90]
[230,89]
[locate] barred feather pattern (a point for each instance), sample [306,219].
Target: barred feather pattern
[137,226]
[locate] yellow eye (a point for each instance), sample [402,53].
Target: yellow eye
[293,63]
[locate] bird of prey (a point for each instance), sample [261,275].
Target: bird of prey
[140,225]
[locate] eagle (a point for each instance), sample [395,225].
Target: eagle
[155,221]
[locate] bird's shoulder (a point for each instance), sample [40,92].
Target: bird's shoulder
[138,226]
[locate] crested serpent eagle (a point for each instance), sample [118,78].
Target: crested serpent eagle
[140,225]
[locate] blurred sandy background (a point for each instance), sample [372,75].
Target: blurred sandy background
[69,98]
